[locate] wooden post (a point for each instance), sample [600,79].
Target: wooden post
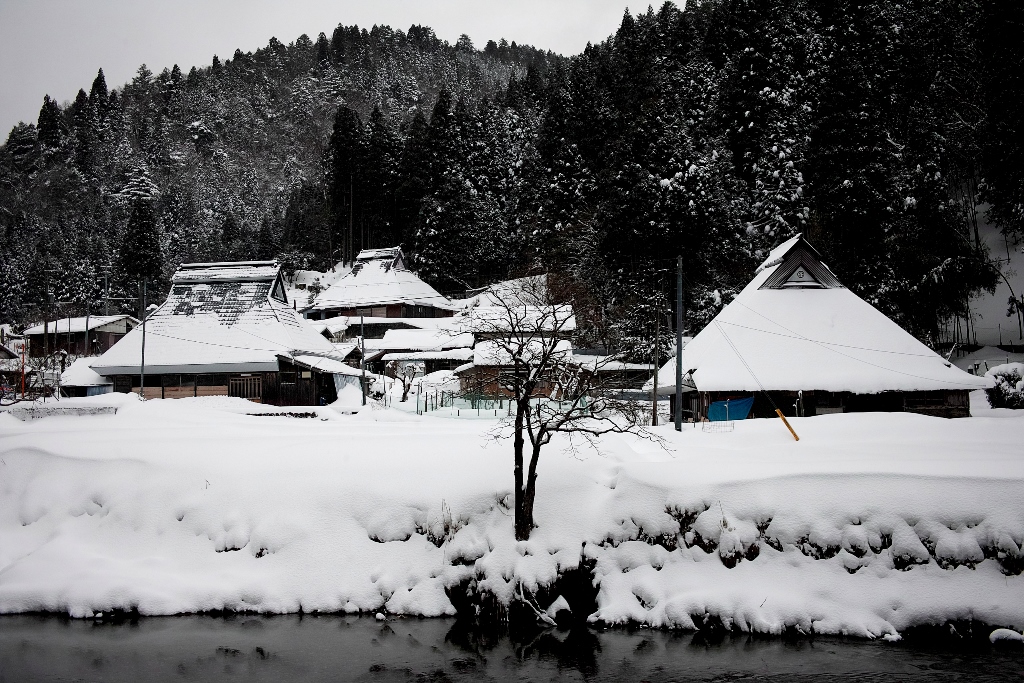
[786,422]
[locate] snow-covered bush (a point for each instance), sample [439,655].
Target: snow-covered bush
[1008,390]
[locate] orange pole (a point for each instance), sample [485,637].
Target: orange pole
[786,422]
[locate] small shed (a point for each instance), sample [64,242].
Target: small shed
[82,336]
[796,338]
[81,380]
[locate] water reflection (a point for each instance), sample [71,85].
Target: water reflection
[349,648]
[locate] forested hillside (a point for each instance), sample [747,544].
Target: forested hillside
[713,132]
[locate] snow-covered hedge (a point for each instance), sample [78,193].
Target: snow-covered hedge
[1008,390]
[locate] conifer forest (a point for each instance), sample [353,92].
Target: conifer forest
[884,130]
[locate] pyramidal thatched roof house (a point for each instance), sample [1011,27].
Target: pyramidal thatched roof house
[227,329]
[798,335]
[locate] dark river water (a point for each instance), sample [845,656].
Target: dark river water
[339,648]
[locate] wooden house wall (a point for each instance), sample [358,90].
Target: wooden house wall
[294,390]
[75,343]
[483,381]
[951,403]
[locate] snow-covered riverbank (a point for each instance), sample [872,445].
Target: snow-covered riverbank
[871,523]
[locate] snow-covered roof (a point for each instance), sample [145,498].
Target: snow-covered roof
[775,255]
[72,325]
[228,271]
[308,277]
[518,319]
[344,349]
[379,277]
[217,324]
[333,366]
[612,363]
[420,340]
[451,354]
[528,289]
[823,338]
[492,353]
[342,323]
[79,374]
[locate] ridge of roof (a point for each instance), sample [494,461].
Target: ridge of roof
[778,254]
[227,271]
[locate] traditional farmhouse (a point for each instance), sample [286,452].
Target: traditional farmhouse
[380,286]
[796,338]
[85,336]
[227,329]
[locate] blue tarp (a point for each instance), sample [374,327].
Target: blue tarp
[733,409]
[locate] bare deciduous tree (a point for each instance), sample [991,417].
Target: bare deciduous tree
[404,373]
[524,329]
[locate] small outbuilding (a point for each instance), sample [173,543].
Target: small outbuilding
[83,336]
[797,339]
[81,380]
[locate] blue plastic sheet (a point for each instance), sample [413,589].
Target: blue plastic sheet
[733,409]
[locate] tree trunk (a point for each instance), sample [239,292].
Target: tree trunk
[524,504]
[524,513]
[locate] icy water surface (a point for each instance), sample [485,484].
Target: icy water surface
[338,648]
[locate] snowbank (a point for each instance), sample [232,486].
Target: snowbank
[871,523]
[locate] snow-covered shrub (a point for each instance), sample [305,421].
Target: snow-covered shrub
[1008,391]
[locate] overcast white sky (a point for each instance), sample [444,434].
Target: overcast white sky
[55,46]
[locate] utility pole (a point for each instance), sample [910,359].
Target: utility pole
[362,357]
[87,344]
[654,393]
[142,367]
[351,202]
[106,289]
[679,344]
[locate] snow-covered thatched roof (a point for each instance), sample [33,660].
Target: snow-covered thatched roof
[73,325]
[221,317]
[796,327]
[380,277]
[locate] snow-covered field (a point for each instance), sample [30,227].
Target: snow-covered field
[869,524]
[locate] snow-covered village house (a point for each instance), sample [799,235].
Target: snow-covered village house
[380,286]
[83,336]
[227,329]
[797,339]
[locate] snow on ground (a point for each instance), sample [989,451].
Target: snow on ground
[871,523]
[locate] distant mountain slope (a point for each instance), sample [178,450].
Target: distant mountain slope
[713,132]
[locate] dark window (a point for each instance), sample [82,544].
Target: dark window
[287,378]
